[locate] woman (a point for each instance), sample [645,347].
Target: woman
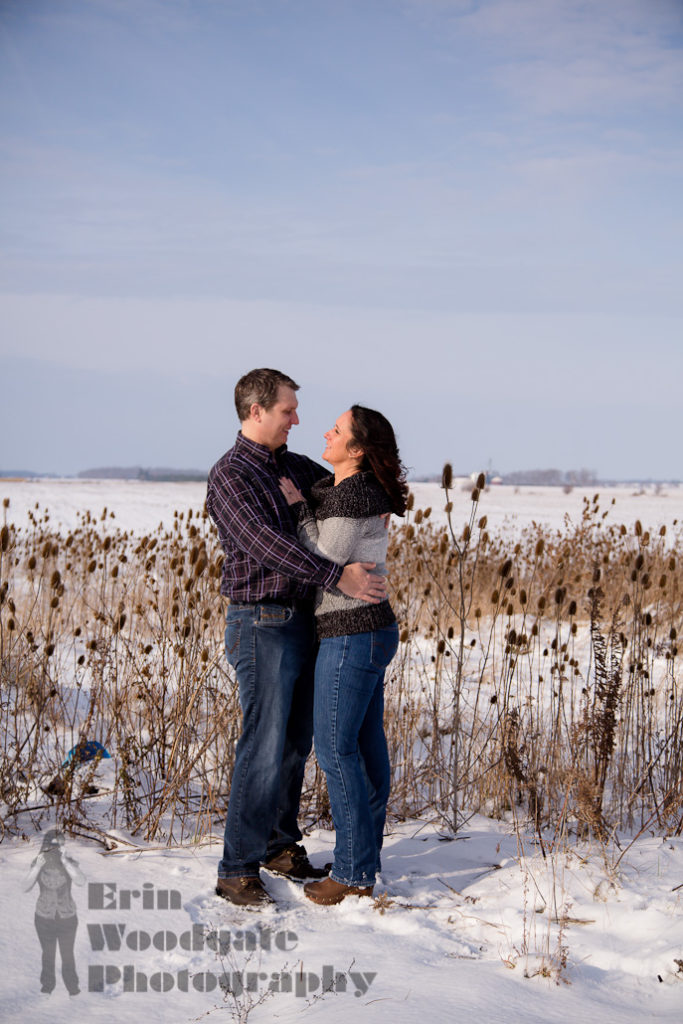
[55,919]
[346,523]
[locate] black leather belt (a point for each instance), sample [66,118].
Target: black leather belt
[298,604]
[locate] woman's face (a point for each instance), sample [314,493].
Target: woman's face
[338,438]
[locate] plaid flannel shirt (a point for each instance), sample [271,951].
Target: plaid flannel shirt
[257,530]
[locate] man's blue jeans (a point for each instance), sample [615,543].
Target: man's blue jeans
[351,746]
[272,649]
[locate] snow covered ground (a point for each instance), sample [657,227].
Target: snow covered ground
[482,927]
[141,506]
[463,929]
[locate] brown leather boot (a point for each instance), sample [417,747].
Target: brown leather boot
[244,892]
[293,862]
[328,892]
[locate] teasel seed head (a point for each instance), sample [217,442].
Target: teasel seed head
[475,495]
[410,501]
[638,528]
[481,482]
[200,566]
[447,476]
[482,522]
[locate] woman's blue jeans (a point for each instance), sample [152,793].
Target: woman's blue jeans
[351,746]
[272,649]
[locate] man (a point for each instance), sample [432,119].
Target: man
[270,580]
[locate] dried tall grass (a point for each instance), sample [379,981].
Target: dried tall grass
[536,678]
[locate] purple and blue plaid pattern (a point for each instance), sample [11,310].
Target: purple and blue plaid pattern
[263,558]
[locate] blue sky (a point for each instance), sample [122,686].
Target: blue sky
[466,214]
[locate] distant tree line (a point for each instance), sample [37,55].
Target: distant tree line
[156,474]
[552,477]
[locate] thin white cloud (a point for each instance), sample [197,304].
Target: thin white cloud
[569,57]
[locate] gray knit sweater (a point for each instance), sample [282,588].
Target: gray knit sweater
[343,524]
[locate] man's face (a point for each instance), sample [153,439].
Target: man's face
[271,426]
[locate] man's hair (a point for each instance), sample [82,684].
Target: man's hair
[260,386]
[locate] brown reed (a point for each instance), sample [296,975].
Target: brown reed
[536,677]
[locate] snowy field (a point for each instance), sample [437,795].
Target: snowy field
[463,930]
[480,928]
[142,506]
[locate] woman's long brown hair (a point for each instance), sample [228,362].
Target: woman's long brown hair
[374,434]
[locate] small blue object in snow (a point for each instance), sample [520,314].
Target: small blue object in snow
[86,750]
